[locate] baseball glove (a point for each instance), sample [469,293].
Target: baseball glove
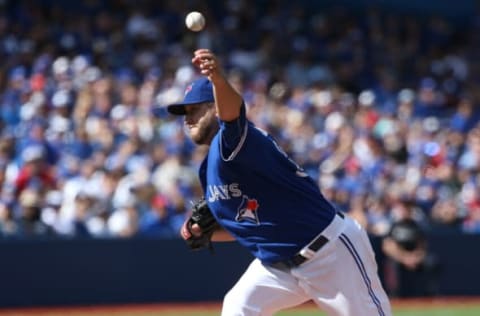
[202,216]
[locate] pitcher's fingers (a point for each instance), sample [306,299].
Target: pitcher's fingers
[203,56]
[196,230]
[184,232]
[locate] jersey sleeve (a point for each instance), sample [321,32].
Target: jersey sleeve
[233,134]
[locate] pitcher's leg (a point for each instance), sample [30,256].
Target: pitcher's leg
[262,291]
[368,296]
[342,278]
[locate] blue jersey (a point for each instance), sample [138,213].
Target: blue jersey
[259,195]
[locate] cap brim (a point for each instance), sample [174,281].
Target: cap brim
[175,109]
[179,108]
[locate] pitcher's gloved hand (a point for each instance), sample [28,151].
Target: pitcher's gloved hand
[200,227]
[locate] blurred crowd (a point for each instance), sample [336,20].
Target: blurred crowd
[380,108]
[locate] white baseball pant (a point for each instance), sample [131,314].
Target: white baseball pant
[341,278]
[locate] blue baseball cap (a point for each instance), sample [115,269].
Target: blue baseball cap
[199,91]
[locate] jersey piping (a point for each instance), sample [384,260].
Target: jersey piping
[238,147]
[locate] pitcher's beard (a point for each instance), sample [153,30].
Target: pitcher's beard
[204,134]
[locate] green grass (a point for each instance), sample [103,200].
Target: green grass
[453,311]
[457,311]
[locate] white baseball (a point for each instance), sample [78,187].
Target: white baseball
[195,21]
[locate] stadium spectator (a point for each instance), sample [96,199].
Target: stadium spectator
[368,122]
[28,220]
[413,268]
[156,221]
[8,226]
[35,172]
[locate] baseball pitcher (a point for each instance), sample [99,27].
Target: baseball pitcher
[255,194]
